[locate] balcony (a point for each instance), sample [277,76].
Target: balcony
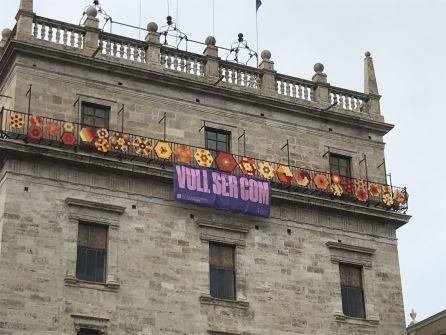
[122,146]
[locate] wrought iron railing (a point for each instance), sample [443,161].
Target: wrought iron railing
[52,132]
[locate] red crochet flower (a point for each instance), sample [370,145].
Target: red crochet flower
[35,133]
[349,186]
[68,138]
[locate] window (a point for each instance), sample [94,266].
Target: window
[88,332]
[222,271]
[217,139]
[340,165]
[352,290]
[91,252]
[94,115]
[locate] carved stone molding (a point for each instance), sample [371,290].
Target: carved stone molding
[208,300]
[226,233]
[84,322]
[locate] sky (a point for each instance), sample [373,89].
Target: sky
[408,45]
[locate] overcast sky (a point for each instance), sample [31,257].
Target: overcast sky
[407,42]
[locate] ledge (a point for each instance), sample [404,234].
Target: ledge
[348,247]
[95,205]
[206,299]
[226,226]
[74,282]
[369,322]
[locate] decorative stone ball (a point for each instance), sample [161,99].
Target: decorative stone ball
[266,55]
[152,27]
[318,67]
[6,33]
[210,41]
[368,54]
[91,11]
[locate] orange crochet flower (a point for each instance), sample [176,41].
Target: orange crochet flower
[374,190]
[68,127]
[387,199]
[35,133]
[163,150]
[203,157]
[335,179]
[321,182]
[102,133]
[183,154]
[68,138]
[16,121]
[247,166]
[102,145]
[284,174]
[302,177]
[120,142]
[52,128]
[336,189]
[225,162]
[399,197]
[86,134]
[266,170]
[142,146]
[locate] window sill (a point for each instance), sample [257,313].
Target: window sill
[208,300]
[370,322]
[110,286]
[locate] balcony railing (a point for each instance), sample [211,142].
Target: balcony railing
[47,131]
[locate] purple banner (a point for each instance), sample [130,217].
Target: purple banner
[222,190]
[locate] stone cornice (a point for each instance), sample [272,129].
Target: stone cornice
[95,205]
[17,148]
[166,77]
[348,247]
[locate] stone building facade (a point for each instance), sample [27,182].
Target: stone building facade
[323,262]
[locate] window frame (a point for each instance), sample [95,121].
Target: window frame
[217,132]
[345,303]
[95,106]
[106,252]
[234,270]
[339,157]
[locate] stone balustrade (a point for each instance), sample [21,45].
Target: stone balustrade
[295,87]
[240,75]
[58,32]
[182,61]
[121,47]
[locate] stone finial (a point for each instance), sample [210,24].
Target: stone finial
[210,41]
[370,84]
[318,67]
[26,6]
[152,27]
[319,76]
[6,33]
[413,316]
[266,55]
[91,11]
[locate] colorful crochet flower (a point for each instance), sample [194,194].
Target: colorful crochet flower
[102,145]
[399,197]
[336,189]
[335,179]
[360,184]
[183,154]
[361,194]
[247,166]
[36,120]
[386,189]
[302,177]
[387,199]
[374,190]
[163,150]
[142,146]
[52,128]
[321,181]
[284,174]
[35,133]
[68,127]
[266,170]
[68,138]
[16,121]
[225,162]
[120,142]
[349,186]
[102,133]
[203,157]
[86,134]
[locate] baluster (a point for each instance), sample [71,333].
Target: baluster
[121,50]
[135,53]
[80,40]
[232,75]
[276,85]
[57,34]
[42,31]
[143,56]
[195,67]
[168,61]
[201,68]
[287,88]
[304,92]
[293,90]
[282,87]
[350,103]
[72,38]
[310,94]
[175,62]
[35,29]
[183,65]
[65,37]
[188,65]
[128,51]
[50,33]
[226,73]
[115,48]
[108,48]
[162,58]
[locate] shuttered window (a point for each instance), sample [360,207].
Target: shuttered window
[222,271]
[91,252]
[352,290]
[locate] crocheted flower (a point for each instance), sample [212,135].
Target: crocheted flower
[102,145]
[68,127]
[35,133]
[386,188]
[16,121]
[247,166]
[36,120]
[120,142]
[335,179]
[163,150]
[203,157]
[399,197]
[360,184]
[52,129]
[142,146]
[374,190]
[102,133]
[68,138]
[225,162]
[86,134]
[361,194]
[266,170]
[336,189]
[284,174]
[302,177]
[387,199]
[349,186]
[183,154]
[321,181]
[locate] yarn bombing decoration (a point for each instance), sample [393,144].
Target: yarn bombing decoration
[16,121]
[142,146]
[183,154]
[203,158]
[361,192]
[225,162]
[68,127]
[36,120]
[336,190]
[35,133]
[388,199]
[284,174]
[86,134]
[321,181]
[302,177]
[266,170]
[374,190]
[102,133]
[52,129]
[247,166]
[68,137]
[349,186]
[163,150]
[399,197]
[102,145]
[335,179]
[120,142]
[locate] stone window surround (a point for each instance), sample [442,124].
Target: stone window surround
[91,323]
[80,210]
[356,256]
[232,129]
[113,116]
[230,234]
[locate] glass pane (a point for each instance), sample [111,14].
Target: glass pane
[343,172]
[221,256]
[91,265]
[87,120]
[82,235]
[87,110]
[222,146]
[98,237]
[353,302]
[351,276]
[100,113]
[210,135]
[222,283]
[211,145]
[81,263]
[222,137]
[100,266]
